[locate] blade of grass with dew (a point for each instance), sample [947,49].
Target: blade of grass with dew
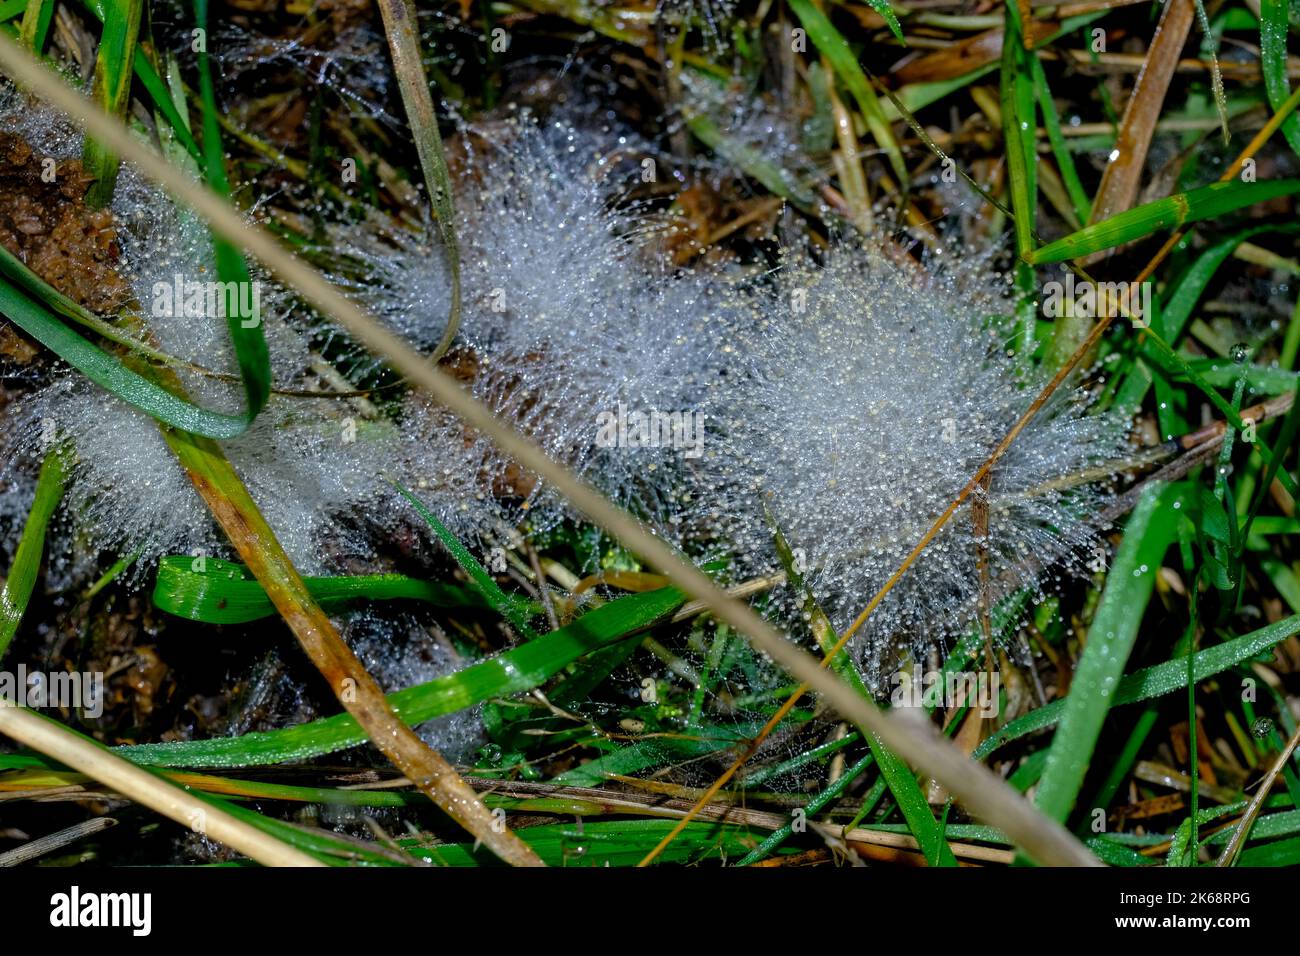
[651,754]
[1180,209]
[247,333]
[902,782]
[886,12]
[404,44]
[815,805]
[1273,27]
[1210,49]
[18,585]
[1064,158]
[110,374]
[1154,681]
[513,609]
[112,90]
[1281,853]
[831,42]
[757,778]
[1018,133]
[520,669]
[35,28]
[1147,536]
[224,592]
[613,843]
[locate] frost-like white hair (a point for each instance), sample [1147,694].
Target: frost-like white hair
[865,394]
[126,491]
[568,314]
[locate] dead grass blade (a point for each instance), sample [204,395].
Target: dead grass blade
[1123,175]
[79,753]
[230,503]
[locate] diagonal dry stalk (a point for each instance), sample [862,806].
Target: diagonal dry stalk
[237,513]
[1122,176]
[1239,835]
[984,794]
[151,790]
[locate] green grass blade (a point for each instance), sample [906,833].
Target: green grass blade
[1018,126]
[247,334]
[110,373]
[513,609]
[1149,532]
[902,782]
[1273,26]
[519,669]
[18,585]
[35,28]
[1154,681]
[883,8]
[111,90]
[1060,149]
[613,843]
[1018,130]
[831,42]
[1172,212]
[224,592]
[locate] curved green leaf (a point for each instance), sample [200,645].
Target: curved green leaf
[108,372]
[1154,681]
[17,590]
[224,592]
[519,669]
[1216,199]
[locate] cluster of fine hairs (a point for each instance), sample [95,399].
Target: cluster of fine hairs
[844,398]
[571,324]
[868,389]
